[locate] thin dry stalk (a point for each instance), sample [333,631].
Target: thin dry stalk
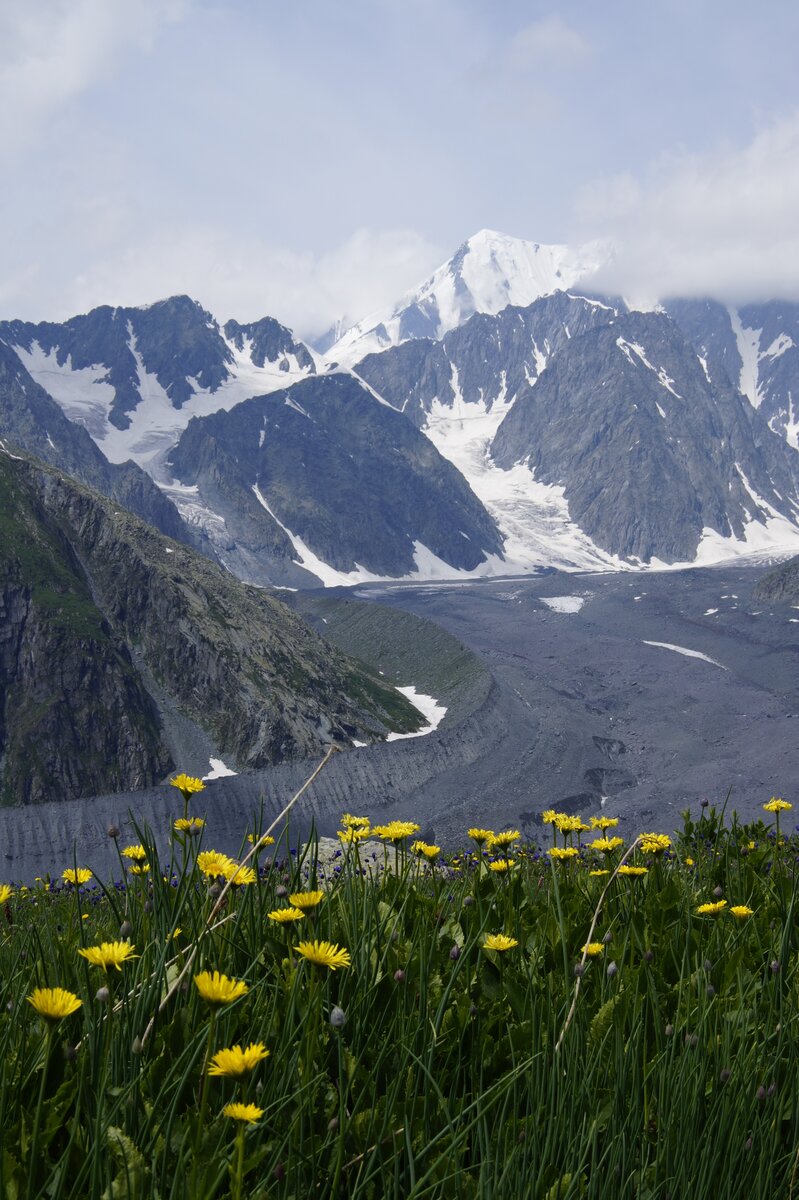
[594,920]
[220,899]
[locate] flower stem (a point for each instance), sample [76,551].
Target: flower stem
[33,1160]
[209,1045]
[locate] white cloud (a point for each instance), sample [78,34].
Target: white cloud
[245,279]
[723,223]
[549,43]
[52,51]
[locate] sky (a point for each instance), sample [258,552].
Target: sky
[312,160]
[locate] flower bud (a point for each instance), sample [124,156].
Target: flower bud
[761,1094]
[399,976]
[338,1018]
[138,1046]
[280,1172]
[114,831]
[718,892]
[669,1031]
[775,967]
[607,939]
[148,906]
[468,901]
[649,956]
[748,1144]
[125,929]
[708,965]
[613,970]
[710,991]
[579,970]
[455,952]
[102,995]
[332,1124]
[281,893]
[724,1075]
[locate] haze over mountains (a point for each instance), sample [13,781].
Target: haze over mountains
[499,418]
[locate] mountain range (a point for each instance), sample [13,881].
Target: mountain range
[498,418]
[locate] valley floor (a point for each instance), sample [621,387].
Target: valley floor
[638,694]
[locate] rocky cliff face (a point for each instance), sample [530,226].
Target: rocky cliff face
[650,452]
[90,595]
[345,473]
[780,586]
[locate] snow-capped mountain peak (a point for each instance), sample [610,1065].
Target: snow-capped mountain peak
[487,272]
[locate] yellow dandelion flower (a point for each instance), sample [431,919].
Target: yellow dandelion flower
[395,831]
[777,805]
[54,1003]
[654,843]
[139,868]
[306,900]
[560,852]
[351,822]
[137,853]
[212,864]
[568,824]
[188,785]
[606,845]
[353,833]
[500,942]
[689,862]
[76,875]
[216,988]
[593,949]
[238,875]
[189,825]
[604,822]
[548,816]
[502,864]
[109,954]
[712,909]
[423,850]
[324,954]
[635,872]
[482,837]
[505,837]
[741,911]
[284,915]
[265,840]
[605,871]
[235,1061]
[6,892]
[243,1112]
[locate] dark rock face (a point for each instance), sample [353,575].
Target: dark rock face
[269,341]
[488,359]
[649,452]
[89,592]
[771,377]
[352,478]
[31,420]
[175,338]
[780,586]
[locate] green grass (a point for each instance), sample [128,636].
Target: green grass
[458,1071]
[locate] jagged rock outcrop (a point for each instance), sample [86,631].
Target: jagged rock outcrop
[780,586]
[95,603]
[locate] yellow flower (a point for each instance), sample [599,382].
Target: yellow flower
[741,911]
[54,1003]
[188,785]
[265,840]
[606,845]
[238,875]
[353,833]
[6,892]
[324,954]
[604,872]
[634,871]
[548,816]
[283,915]
[236,1061]
[776,805]
[654,843]
[219,989]
[481,837]
[604,822]
[689,862]
[243,1112]
[351,822]
[189,824]
[139,868]
[109,954]
[712,909]
[395,831]
[76,875]
[306,900]
[592,949]
[499,941]
[135,852]
[212,863]
[502,864]
[505,837]
[560,852]
[568,824]
[423,850]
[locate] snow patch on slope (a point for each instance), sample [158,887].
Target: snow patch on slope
[749,349]
[428,707]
